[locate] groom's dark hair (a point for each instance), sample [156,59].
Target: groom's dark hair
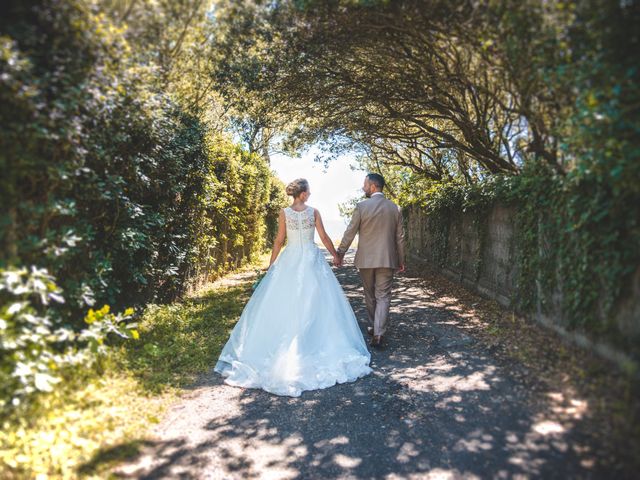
[377,180]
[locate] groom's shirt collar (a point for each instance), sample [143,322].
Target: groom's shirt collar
[377,193]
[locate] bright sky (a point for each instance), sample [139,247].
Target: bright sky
[329,187]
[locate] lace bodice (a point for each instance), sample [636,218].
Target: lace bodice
[301,226]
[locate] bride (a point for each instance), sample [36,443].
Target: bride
[298,331]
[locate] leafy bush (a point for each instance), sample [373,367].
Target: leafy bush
[110,183]
[36,347]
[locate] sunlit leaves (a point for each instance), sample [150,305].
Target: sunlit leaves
[35,344]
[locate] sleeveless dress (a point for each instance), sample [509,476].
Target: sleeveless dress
[298,331]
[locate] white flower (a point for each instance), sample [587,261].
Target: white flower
[16,307]
[56,297]
[44,382]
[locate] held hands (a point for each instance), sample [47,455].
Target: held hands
[338,261]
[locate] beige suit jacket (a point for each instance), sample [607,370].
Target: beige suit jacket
[378,221]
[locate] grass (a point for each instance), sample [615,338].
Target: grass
[182,340]
[96,421]
[72,424]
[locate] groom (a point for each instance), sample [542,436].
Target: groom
[380,251]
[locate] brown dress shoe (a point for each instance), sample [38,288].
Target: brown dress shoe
[376,341]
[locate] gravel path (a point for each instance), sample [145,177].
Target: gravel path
[438,405]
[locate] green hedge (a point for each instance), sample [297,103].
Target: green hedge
[107,184]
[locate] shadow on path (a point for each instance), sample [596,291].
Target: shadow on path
[436,406]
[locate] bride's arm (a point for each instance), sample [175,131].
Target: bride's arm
[326,241]
[279,240]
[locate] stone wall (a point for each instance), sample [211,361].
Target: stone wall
[482,264]
[484,259]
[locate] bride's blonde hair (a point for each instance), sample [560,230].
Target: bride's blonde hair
[298,186]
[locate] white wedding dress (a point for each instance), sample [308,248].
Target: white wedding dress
[298,331]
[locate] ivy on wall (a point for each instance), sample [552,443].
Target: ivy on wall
[575,243]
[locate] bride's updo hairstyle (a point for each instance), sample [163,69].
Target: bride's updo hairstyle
[298,186]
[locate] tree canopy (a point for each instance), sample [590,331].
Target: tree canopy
[442,89]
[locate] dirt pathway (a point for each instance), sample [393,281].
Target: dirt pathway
[438,405]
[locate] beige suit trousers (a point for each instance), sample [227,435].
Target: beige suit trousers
[377,284]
